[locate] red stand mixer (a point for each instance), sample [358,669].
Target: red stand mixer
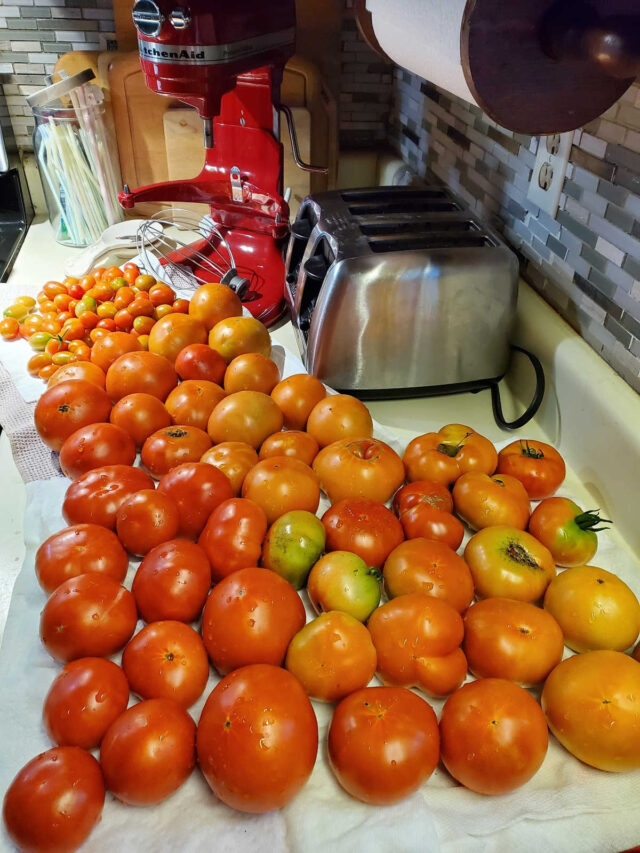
[227,62]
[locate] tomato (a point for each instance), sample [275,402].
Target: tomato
[282,484]
[90,615]
[444,455]
[140,373]
[359,468]
[294,542]
[123,298]
[248,416]
[291,443]
[94,446]
[364,527]
[493,736]
[38,361]
[197,489]
[235,459]
[141,308]
[66,407]
[567,531]
[342,581]
[173,333]
[595,609]
[383,744]
[161,294]
[509,563]
[257,739]
[484,501]
[213,302]
[233,535]
[140,415]
[84,370]
[172,582]
[432,660]
[55,800]
[77,550]
[337,417]
[332,656]
[171,446]
[199,361]
[47,371]
[251,371]
[592,705]
[83,701]
[39,340]
[296,396]
[107,348]
[9,328]
[424,509]
[167,660]
[537,465]
[429,567]
[236,336]
[511,639]
[16,312]
[162,311]
[180,306]
[192,402]
[149,752]
[147,519]
[250,617]
[96,497]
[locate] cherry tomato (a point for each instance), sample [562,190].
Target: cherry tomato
[538,466]
[173,333]
[192,402]
[213,302]
[140,415]
[364,527]
[162,311]
[29,301]
[199,361]
[130,271]
[90,615]
[296,396]
[484,501]
[140,373]
[37,361]
[493,736]
[291,443]
[509,563]
[148,752]
[359,468]
[432,660]
[93,446]
[167,660]
[424,509]
[197,489]
[77,550]
[251,371]
[144,282]
[567,531]
[282,484]
[83,701]
[122,320]
[161,294]
[257,739]
[429,567]
[180,306]
[511,639]
[47,371]
[96,497]
[343,581]
[61,358]
[66,407]
[171,446]
[383,744]
[250,617]
[292,545]
[235,459]
[235,336]
[443,456]
[143,324]
[9,328]
[39,340]
[172,582]
[146,519]
[337,417]
[248,416]
[55,800]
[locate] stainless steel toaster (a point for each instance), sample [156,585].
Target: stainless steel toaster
[397,291]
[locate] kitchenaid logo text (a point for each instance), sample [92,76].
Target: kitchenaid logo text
[213,54]
[148,51]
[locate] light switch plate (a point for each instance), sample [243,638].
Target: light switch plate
[549,171]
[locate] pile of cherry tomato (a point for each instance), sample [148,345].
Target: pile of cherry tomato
[221,509]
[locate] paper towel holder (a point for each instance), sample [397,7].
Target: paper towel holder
[543,66]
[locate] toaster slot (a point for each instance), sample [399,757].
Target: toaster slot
[315,270]
[429,240]
[413,227]
[363,202]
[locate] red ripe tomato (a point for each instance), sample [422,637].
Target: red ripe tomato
[148,752]
[443,456]
[425,511]
[172,446]
[87,616]
[493,736]
[429,567]
[281,484]
[511,639]
[197,489]
[332,656]
[192,402]
[432,660]
[146,519]
[140,373]
[55,800]
[83,701]
[383,744]
[77,550]
[296,396]
[359,468]
[484,501]
[257,739]
[199,361]
[93,446]
[339,416]
[140,415]
[96,497]
[66,407]
[567,531]
[235,459]
[167,660]
[172,582]
[364,527]
[292,443]
[537,465]
[250,617]
[232,537]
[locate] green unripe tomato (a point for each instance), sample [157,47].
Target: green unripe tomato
[343,581]
[293,544]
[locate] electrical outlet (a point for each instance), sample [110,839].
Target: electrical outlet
[549,171]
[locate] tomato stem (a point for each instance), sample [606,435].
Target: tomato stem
[375,573]
[451,450]
[531,452]
[588,520]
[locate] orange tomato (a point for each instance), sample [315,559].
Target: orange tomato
[161,294]
[192,402]
[38,361]
[162,311]
[233,458]
[140,373]
[484,501]
[47,371]
[89,320]
[247,416]
[81,350]
[53,288]
[61,301]
[106,310]
[359,468]
[173,333]
[296,396]
[171,446]
[59,358]
[123,320]
[282,484]
[537,465]
[238,335]
[9,328]
[124,296]
[144,282]
[214,302]
[141,308]
[143,324]
[443,456]
[292,443]
[109,346]
[339,416]
[78,370]
[251,372]
[107,323]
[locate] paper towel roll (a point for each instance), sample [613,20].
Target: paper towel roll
[424,37]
